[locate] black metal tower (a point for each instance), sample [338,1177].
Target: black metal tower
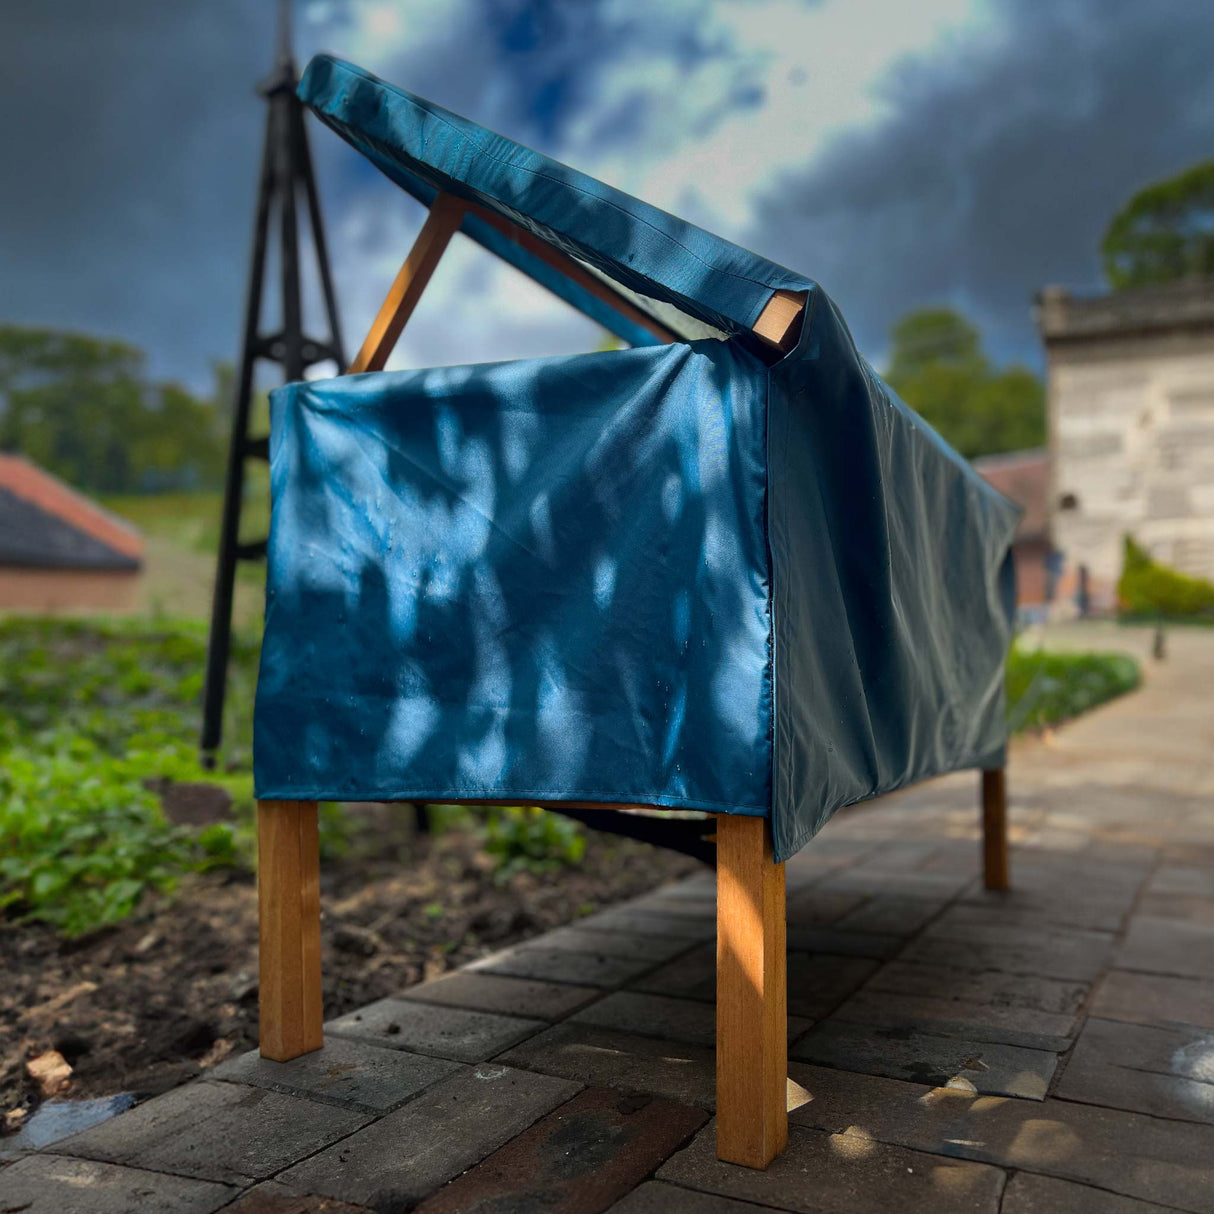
[286,178]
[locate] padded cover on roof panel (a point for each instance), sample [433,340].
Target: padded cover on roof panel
[646,249]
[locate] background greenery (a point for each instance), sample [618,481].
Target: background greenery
[1164,233]
[938,367]
[84,408]
[1151,591]
[92,714]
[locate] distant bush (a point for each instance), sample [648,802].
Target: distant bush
[530,839]
[1045,687]
[1151,590]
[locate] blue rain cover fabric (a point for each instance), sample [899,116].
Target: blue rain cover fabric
[668,576]
[671,575]
[423,147]
[525,581]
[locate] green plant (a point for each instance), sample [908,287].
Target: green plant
[82,839]
[90,714]
[1148,589]
[528,839]
[1045,687]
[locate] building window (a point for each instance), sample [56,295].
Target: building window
[1068,501]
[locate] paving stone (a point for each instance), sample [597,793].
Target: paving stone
[815,907]
[616,944]
[658,1197]
[580,1158]
[216,1131]
[1166,1162]
[526,997]
[272,1198]
[1154,999]
[702,883]
[650,923]
[849,1171]
[892,915]
[1051,953]
[350,1073]
[930,887]
[563,965]
[945,1017]
[1175,879]
[1029,1194]
[843,944]
[604,1058]
[401,1158]
[445,1032]
[1025,909]
[663,1016]
[1054,995]
[1178,906]
[702,907]
[816,983]
[907,855]
[1167,1072]
[1015,1009]
[53,1184]
[1166,946]
[1002,1070]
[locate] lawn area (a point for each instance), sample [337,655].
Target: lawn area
[181,532]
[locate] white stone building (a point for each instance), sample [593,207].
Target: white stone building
[1131,429]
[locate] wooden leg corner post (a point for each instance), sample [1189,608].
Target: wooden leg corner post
[994,828]
[752,1001]
[288,896]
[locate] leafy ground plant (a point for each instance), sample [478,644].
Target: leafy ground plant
[90,713]
[1044,687]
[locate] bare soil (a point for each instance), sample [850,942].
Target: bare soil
[155,1001]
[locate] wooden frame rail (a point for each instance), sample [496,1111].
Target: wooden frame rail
[778,325]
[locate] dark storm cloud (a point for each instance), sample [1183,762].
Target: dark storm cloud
[129,143]
[1000,164]
[130,137]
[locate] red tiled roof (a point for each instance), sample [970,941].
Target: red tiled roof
[1024,476]
[38,487]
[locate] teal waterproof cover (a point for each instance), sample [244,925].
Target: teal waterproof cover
[676,575]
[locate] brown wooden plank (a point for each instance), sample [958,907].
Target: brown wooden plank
[288,896]
[752,1000]
[994,828]
[575,272]
[779,323]
[446,214]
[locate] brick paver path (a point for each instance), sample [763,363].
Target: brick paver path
[1050,1051]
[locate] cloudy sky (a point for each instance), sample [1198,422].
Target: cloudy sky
[901,153]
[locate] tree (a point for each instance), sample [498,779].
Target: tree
[938,367]
[1164,233]
[84,408]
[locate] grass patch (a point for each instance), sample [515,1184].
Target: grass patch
[1044,688]
[190,521]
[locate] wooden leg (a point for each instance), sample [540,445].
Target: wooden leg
[288,895]
[752,1000]
[994,828]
